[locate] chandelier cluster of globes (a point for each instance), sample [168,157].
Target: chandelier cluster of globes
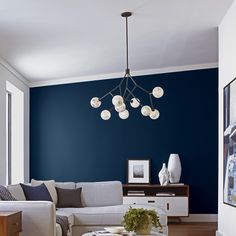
[124,93]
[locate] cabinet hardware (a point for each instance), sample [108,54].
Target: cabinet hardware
[168,206]
[151,201]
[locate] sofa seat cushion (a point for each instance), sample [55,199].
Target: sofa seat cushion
[105,216]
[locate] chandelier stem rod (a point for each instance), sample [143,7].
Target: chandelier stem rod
[127,46]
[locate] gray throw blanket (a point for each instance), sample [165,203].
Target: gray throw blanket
[63,222]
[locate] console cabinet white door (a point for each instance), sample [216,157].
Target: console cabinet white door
[174,206]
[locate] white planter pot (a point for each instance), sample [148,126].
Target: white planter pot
[174,168]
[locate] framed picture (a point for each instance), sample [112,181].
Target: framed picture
[229,149]
[139,171]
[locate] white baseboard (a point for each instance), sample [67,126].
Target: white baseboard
[200,218]
[218,233]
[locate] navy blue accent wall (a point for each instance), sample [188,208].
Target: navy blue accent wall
[70,142]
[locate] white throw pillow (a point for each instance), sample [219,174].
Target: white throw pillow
[50,184]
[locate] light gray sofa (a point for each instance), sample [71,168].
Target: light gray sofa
[103,206]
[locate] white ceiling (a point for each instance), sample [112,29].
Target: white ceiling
[53,39]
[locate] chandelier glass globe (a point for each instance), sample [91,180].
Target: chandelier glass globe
[124,114]
[120,108]
[117,100]
[154,114]
[134,102]
[157,92]
[105,115]
[146,110]
[95,102]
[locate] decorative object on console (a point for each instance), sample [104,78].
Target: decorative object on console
[139,171]
[126,92]
[229,158]
[141,221]
[164,175]
[174,168]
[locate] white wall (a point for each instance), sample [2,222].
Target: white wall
[6,73]
[227,71]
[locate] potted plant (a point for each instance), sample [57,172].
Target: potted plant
[141,220]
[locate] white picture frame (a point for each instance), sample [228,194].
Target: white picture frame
[139,171]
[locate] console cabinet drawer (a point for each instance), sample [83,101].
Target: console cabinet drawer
[174,206]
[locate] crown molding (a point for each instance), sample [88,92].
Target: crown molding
[121,74]
[13,71]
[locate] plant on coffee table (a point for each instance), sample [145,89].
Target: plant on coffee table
[140,220]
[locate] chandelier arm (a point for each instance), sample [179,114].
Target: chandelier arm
[133,80]
[109,93]
[151,102]
[144,90]
[126,85]
[131,92]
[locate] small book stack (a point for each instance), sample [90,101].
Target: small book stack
[136,193]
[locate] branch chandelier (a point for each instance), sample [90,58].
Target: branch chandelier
[124,92]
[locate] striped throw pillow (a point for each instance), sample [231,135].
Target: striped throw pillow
[5,195]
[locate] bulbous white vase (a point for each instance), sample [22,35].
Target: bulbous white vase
[164,175]
[174,168]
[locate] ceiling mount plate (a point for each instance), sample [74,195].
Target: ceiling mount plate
[126,14]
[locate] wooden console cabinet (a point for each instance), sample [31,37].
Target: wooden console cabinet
[10,223]
[174,199]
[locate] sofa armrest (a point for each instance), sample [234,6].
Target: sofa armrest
[38,217]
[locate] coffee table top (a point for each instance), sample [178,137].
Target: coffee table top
[130,234]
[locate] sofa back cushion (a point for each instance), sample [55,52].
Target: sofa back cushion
[65,185]
[17,192]
[107,193]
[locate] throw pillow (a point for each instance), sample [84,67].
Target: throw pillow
[36,193]
[50,184]
[17,192]
[68,197]
[5,194]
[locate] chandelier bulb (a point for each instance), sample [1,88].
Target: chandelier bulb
[135,102]
[95,102]
[146,110]
[117,100]
[154,114]
[120,108]
[157,92]
[105,115]
[124,114]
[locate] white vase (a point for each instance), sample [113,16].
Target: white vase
[164,175]
[174,168]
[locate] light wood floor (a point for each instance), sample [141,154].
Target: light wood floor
[192,229]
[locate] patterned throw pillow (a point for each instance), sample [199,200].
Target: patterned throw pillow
[5,195]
